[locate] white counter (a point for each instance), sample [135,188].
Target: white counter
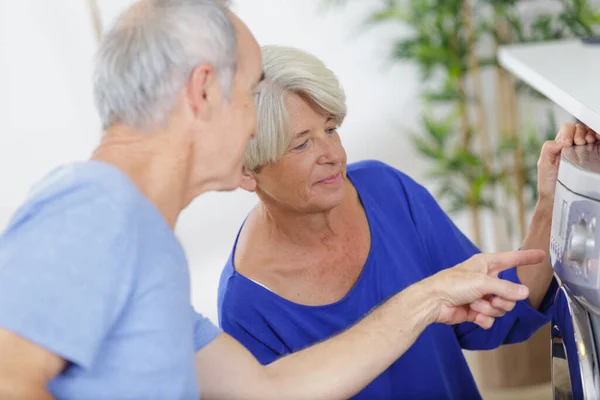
[567,72]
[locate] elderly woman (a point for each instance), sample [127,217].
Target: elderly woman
[329,241]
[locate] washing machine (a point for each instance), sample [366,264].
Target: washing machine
[574,254]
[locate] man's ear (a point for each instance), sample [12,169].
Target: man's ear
[248,180]
[203,91]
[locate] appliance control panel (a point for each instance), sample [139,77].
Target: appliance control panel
[575,245]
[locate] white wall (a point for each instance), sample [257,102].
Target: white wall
[48,117]
[46,106]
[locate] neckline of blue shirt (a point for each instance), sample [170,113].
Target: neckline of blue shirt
[348,295]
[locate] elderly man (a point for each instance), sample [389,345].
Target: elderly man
[94,286]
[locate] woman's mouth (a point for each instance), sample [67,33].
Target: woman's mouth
[331,179]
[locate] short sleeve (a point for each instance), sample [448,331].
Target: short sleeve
[65,272]
[255,334]
[250,322]
[204,331]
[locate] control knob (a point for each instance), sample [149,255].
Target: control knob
[582,243]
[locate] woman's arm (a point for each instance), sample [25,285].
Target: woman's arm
[539,277]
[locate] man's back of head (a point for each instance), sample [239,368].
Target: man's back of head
[147,55]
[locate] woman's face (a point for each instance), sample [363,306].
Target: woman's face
[311,174]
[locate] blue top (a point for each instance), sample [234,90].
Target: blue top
[411,239]
[562,326]
[90,271]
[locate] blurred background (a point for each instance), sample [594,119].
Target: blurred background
[424,93]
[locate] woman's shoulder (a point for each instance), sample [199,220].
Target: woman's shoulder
[374,174]
[256,254]
[250,243]
[235,289]
[368,166]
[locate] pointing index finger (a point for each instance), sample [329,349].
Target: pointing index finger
[499,262]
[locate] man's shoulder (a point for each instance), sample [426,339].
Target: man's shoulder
[80,193]
[89,183]
[70,211]
[67,264]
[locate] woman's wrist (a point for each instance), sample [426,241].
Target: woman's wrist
[544,206]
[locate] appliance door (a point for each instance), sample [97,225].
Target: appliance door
[575,373]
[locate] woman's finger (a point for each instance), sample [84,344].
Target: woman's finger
[580,134]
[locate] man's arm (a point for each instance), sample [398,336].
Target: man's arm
[25,368]
[340,367]
[332,369]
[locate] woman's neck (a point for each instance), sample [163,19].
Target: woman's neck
[309,229]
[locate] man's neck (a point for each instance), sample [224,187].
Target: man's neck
[158,164]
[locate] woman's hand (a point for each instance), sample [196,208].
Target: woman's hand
[549,160]
[462,293]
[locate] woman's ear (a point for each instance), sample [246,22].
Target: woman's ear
[248,180]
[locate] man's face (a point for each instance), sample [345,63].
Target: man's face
[234,122]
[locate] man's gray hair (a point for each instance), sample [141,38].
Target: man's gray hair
[148,55]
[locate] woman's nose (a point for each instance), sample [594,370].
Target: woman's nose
[332,152]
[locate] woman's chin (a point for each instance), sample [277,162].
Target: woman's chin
[331,200]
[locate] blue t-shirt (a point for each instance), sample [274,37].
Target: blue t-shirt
[90,271]
[411,239]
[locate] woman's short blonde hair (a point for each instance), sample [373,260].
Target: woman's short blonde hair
[290,70]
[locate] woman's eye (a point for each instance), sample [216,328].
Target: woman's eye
[331,131]
[302,146]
